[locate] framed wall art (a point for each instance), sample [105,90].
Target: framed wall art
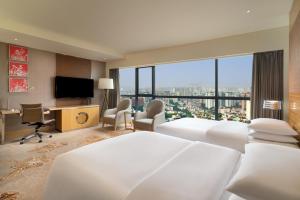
[18,69]
[18,53]
[18,84]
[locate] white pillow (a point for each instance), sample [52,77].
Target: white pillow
[273,137]
[268,172]
[273,126]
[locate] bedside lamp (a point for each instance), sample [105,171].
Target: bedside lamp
[105,84]
[272,104]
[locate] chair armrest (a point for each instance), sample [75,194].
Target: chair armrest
[140,115]
[110,111]
[120,114]
[158,119]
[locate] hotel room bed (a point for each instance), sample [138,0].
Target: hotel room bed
[225,133]
[143,165]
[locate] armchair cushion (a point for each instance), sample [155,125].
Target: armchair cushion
[110,116]
[110,112]
[140,115]
[145,121]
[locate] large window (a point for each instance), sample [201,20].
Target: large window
[212,89]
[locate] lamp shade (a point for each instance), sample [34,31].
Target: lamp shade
[106,83]
[272,104]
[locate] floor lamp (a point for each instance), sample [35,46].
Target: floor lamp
[105,84]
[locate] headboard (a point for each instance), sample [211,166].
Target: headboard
[294,111]
[294,67]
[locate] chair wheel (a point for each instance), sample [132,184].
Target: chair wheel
[22,142]
[50,136]
[40,141]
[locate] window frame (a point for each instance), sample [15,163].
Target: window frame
[216,97]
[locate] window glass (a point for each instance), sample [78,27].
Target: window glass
[235,76]
[145,80]
[235,110]
[192,78]
[127,81]
[177,108]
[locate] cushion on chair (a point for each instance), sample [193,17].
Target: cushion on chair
[145,121]
[110,116]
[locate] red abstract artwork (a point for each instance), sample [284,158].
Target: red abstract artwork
[18,85]
[18,69]
[17,53]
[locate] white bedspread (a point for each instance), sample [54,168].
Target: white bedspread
[142,165]
[225,133]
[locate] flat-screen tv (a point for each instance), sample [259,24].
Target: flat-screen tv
[69,87]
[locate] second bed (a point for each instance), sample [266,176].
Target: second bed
[225,133]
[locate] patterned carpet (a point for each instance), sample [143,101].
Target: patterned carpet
[24,168]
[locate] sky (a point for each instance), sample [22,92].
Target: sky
[233,72]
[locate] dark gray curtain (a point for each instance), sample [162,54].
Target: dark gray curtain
[114,95]
[267,83]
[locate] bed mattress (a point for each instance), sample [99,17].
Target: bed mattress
[225,133]
[142,165]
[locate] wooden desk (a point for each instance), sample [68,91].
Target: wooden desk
[65,112]
[3,114]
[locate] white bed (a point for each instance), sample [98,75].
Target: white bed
[143,165]
[225,133]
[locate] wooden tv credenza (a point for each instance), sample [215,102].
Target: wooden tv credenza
[76,117]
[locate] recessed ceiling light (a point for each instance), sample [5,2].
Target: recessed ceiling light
[248,11]
[16,39]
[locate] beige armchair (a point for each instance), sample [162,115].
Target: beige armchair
[151,118]
[116,116]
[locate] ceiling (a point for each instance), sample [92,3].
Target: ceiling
[110,29]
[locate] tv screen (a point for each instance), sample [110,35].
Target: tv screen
[68,87]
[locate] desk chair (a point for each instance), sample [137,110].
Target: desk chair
[33,115]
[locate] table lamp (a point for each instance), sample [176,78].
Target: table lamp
[272,104]
[105,84]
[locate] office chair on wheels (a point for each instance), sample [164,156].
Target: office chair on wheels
[33,115]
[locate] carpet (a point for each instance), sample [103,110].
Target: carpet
[24,168]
